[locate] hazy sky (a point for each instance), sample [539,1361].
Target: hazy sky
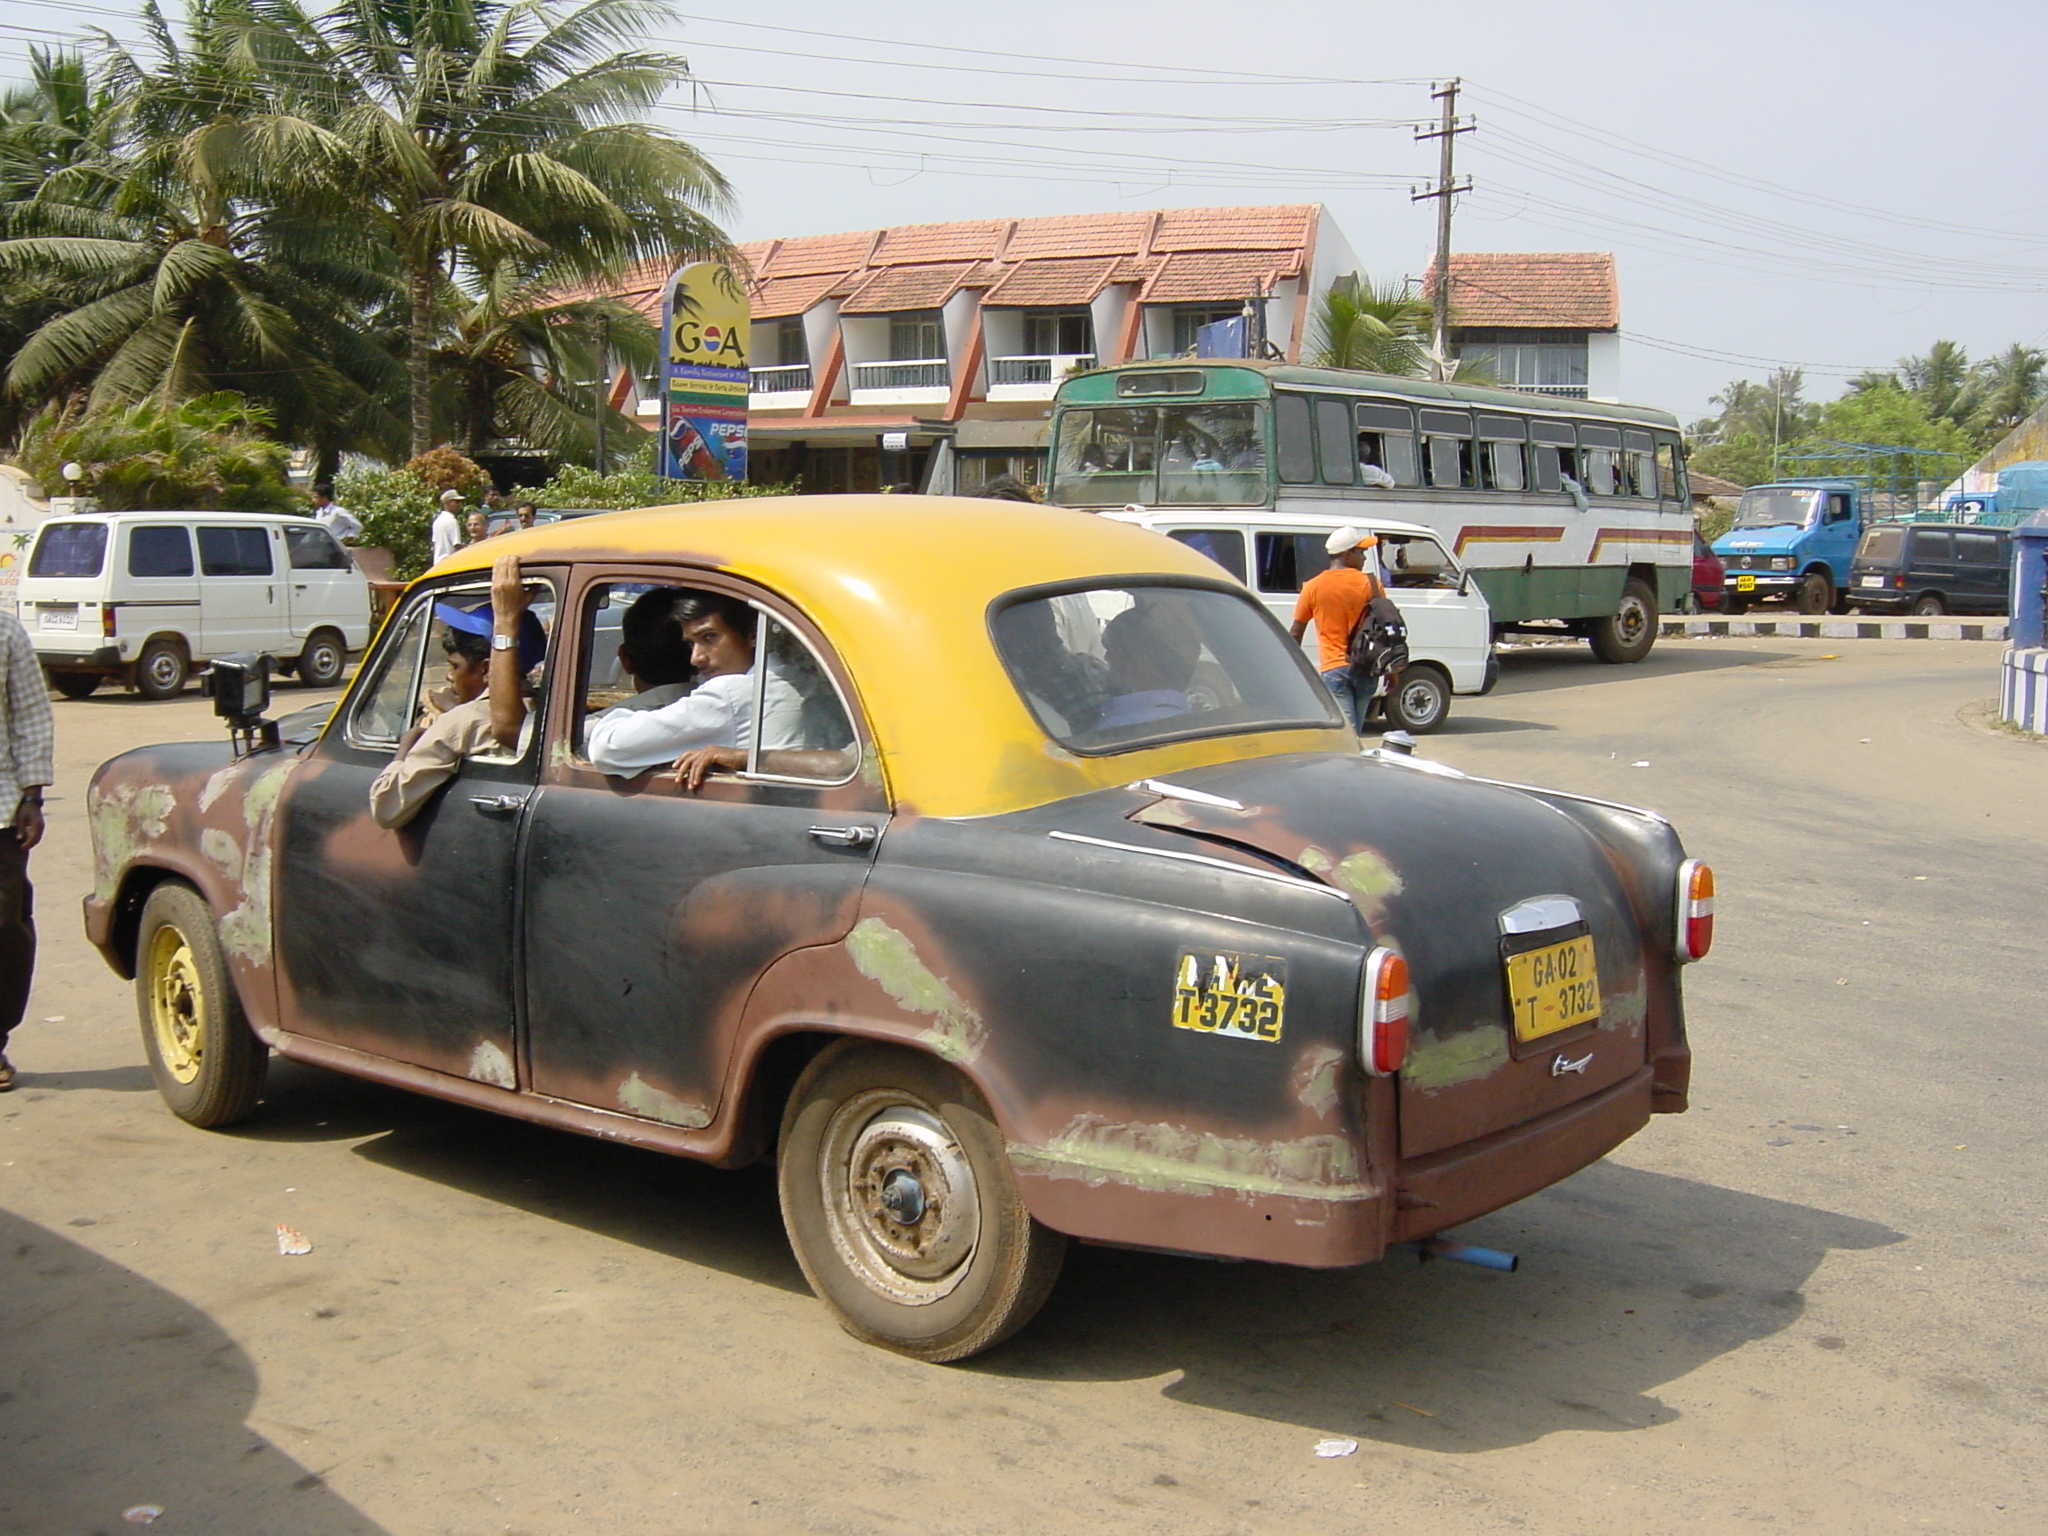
[1827,184]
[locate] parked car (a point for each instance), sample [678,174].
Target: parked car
[1708,575]
[507,520]
[145,597]
[1450,628]
[1932,568]
[1070,910]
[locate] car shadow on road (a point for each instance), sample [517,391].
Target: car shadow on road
[1541,668]
[727,1219]
[115,1394]
[1630,1280]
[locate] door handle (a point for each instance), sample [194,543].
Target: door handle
[498,805]
[298,586]
[845,837]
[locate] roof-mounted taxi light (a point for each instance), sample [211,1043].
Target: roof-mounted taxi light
[1383,1014]
[1695,910]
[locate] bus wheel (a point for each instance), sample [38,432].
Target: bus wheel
[1631,630]
[1816,593]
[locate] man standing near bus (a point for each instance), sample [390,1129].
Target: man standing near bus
[1335,601]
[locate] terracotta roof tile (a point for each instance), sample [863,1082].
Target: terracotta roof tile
[1562,290]
[1286,227]
[1052,282]
[889,290]
[972,240]
[783,296]
[1086,234]
[1217,276]
[819,253]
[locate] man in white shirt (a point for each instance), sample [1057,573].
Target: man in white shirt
[27,750]
[447,529]
[718,712]
[334,517]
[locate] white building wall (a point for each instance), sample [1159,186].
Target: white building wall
[1603,366]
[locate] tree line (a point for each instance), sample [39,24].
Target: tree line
[367,229]
[1938,401]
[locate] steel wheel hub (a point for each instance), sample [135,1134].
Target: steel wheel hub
[900,1197]
[175,999]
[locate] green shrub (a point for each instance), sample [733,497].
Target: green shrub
[209,454]
[637,485]
[397,508]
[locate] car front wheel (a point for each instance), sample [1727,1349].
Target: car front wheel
[1815,595]
[900,1202]
[1419,701]
[322,662]
[208,1064]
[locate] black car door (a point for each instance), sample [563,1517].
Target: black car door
[1981,571]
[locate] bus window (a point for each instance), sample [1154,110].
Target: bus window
[1447,449]
[1210,455]
[1670,471]
[1336,447]
[1105,458]
[1553,454]
[1223,545]
[1286,560]
[1297,448]
[1600,460]
[1386,441]
[1638,465]
[1501,463]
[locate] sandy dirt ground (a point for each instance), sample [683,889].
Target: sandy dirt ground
[1815,1303]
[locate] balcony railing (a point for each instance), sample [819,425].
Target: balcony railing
[927,373]
[778,381]
[1048,369]
[1564,391]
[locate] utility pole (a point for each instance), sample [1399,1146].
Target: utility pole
[604,390]
[1447,187]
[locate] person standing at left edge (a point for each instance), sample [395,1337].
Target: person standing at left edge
[27,749]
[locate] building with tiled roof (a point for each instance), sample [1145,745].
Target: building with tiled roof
[1545,321]
[952,338]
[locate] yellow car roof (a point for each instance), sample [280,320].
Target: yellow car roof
[900,586]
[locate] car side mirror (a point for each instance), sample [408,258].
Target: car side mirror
[239,686]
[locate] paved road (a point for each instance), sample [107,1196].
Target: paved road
[1812,1304]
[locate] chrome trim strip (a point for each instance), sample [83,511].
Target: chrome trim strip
[1565,794]
[1195,858]
[1192,796]
[1540,913]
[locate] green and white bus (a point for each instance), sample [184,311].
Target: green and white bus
[1572,515]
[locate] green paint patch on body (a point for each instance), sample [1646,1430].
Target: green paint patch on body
[1315,1078]
[245,932]
[125,822]
[1172,1159]
[1370,879]
[1461,1058]
[1315,860]
[644,1099]
[887,957]
[1626,1010]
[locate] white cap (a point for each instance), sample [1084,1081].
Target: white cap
[451,495]
[1347,537]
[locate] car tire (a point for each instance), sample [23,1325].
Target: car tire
[1734,605]
[161,670]
[324,659]
[75,685]
[1628,633]
[872,1132]
[208,1064]
[1419,700]
[1929,605]
[1816,594]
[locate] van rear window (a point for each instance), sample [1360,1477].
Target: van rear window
[1882,545]
[69,549]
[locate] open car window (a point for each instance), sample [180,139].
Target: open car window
[1416,560]
[1110,668]
[411,667]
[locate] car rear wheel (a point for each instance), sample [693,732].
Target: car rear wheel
[208,1064]
[1631,630]
[1420,700]
[161,670]
[1929,605]
[902,1208]
[75,685]
[322,662]
[1816,593]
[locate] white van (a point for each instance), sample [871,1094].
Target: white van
[1450,630]
[144,596]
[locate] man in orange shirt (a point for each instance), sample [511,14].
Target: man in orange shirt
[1335,601]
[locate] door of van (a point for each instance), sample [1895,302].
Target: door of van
[325,590]
[239,607]
[1983,570]
[1930,564]
[1447,617]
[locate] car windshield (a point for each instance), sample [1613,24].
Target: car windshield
[1114,667]
[1774,509]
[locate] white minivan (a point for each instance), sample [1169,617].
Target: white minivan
[144,596]
[1450,629]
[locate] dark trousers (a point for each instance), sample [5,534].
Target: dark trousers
[17,933]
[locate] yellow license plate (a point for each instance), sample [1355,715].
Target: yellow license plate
[1553,988]
[1745,583]
[1217,992]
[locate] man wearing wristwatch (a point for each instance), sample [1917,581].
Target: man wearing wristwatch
[27,751]
[491,647]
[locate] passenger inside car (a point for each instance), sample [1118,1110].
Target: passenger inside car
[1151,655]
[653,655]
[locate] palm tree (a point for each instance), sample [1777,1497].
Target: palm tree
[1939,378]
[1381,330]
[465,133]
[2005,390]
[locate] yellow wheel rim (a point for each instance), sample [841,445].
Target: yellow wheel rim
[177,1004]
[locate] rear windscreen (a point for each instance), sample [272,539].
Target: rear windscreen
[69,549]
[1881,546]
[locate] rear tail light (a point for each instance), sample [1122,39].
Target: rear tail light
[1695,910]
[1383,1014]
[107,622]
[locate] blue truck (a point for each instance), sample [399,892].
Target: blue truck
[1791,541]
[2022,491]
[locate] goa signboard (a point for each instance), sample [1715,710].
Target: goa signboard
[704,420]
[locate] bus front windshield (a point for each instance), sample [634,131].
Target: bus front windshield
[1160,455]
[1774,509]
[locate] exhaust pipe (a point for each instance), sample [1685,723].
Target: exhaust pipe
[1465,1253]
